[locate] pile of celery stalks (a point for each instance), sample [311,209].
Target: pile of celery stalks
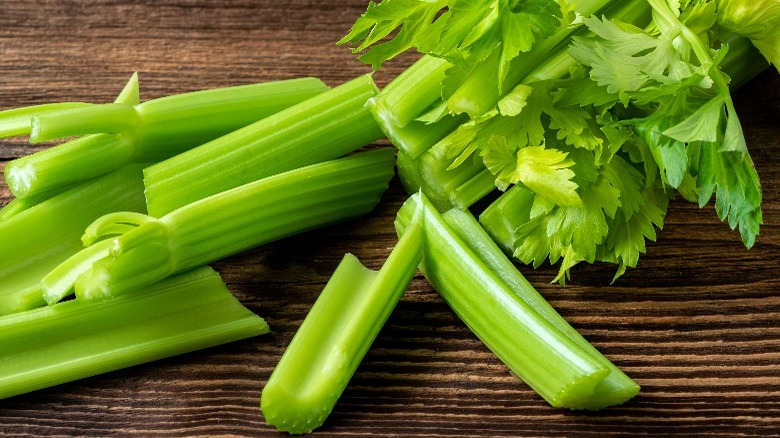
[105,246]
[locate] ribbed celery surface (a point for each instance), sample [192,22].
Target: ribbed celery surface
[36,240]
[509,317]
[72,340]
[150,249]
[335,336]
[146,132]
[322,128]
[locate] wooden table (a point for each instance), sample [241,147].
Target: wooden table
[697,324]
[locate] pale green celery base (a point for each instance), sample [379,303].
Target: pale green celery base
[336,335]
[73,340]
[38,239]
[182,121]
[535,350]
[239,219]
[324,127]
[17,121]
[615,388]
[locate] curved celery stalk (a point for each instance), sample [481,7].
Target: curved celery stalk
[225,224]
[562,372]
[149,132]
[616,388]
[322,128]
[335,336]
[38,239]
[73,340]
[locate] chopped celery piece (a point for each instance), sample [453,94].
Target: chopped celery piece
[547,359]
[109,118]
[38,239]
[72,340]
[224,224]
[335,336]
[322,128]
[17,121]
[149,132]
[616,388]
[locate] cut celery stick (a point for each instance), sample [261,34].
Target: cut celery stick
[335,336]
[109,118]
[224,224]
[18,121]
[534,349]
[163,128]
[324,127]
[69,341]
[616,388]
[38,239]
[18,205]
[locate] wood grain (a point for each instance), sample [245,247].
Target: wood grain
[697,324]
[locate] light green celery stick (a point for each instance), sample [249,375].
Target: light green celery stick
[109,118]
[411,93]
[322,128]
[38,239]
[534,349]
[162,128]
[335,336]
[18,121]
[616,388]
[224,224]
[69,341]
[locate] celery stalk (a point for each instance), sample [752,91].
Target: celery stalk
[17,121]
[109,118]
[221,225]
[560,370]
[148,132]
[69,341]
[335,336]
[616,388]
[324,127]
[38,239]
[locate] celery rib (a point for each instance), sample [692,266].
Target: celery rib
[72,340]
[335,336]
[161,128]
[17,121]
[224,224]
[38,239]
[322,128]
[547,359]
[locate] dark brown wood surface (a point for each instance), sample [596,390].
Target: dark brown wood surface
[697,324]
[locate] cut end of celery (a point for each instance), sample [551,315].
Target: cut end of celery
[35,130]
[20,301]
[277,408]
[94,285]
[20,176]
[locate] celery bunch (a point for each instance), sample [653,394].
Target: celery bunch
[587,115]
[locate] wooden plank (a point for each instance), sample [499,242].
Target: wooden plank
[697,324]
